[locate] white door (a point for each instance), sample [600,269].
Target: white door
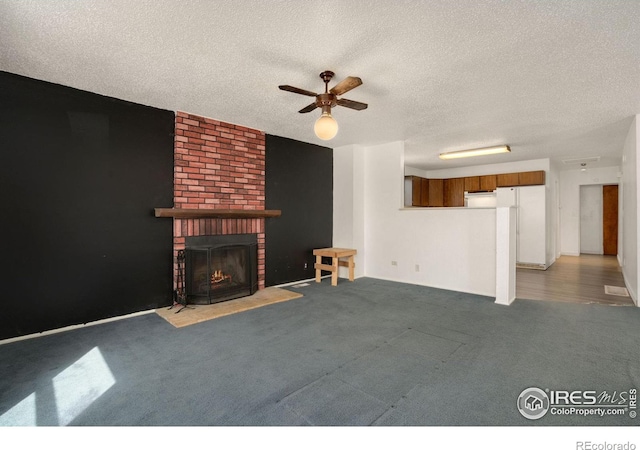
[591,219]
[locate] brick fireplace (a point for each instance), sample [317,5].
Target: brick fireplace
[218,167]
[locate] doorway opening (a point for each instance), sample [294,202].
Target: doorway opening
[599,219]
[593,276]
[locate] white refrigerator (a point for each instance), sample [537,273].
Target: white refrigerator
[530,202]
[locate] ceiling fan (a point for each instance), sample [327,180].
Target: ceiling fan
[326,126]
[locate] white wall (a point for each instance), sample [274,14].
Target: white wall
[415,172]
[454,248]
[628,247]
[570,182]
[505,255]
[348,203]
[553,213]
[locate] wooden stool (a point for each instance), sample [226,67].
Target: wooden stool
[335,254]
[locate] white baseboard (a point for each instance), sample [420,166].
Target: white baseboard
[75,327]
[551,262]
[445,288]
[533,266]
[308,280]
[632,292]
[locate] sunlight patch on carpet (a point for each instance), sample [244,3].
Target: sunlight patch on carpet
[21,415]
[75,389]
[80,384]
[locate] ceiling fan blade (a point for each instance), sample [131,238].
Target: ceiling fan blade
[346,85]
[296,90]
[351,104]
[308,108]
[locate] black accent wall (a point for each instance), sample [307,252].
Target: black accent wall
[298,181]
[81,174]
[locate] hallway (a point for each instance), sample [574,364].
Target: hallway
[574,279]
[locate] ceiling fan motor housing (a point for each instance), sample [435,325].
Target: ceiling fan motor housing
[326,100]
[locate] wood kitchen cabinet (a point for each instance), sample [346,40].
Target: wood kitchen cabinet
[507,179]
[454,192]
[424,192]
[531,178]
[472,184]
[436,192]
[483,183]
[488,183]
[420,191]
[534,178]
[416,191]
[450,191]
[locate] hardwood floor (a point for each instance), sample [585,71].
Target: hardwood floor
[575,279]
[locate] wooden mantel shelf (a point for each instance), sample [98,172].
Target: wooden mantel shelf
[217,213]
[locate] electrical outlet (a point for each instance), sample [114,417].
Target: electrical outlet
[305,266]
[394,263]
[417,268]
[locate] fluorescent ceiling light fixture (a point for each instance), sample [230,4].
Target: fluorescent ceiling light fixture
[476,152]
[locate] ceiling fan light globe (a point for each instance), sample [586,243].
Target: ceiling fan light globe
[326,127]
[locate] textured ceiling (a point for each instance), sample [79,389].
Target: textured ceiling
[551,78]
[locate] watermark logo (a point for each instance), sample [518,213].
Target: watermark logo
[588,445]
[533,403]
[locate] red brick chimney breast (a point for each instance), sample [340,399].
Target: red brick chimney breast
[218,165]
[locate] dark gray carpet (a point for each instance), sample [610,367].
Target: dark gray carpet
[370,352]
